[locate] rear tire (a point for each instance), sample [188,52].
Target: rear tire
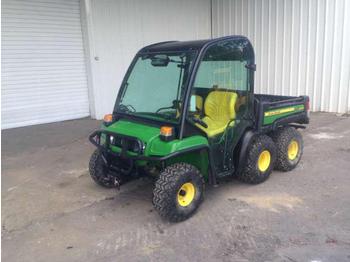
[260,160]
[290,145]
[98,171]
[178,192]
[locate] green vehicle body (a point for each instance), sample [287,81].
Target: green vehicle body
[159,148]
[263,114]
[271,116]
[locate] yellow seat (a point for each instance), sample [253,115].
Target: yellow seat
[219,109]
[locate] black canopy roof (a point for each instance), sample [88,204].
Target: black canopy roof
[186,45]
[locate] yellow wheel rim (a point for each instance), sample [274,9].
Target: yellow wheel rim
[264,160]
[185,195]
[293,149]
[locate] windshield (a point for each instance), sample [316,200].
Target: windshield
[155,87]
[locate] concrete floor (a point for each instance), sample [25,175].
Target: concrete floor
[52,211]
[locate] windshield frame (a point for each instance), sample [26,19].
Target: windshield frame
[198,55]
[124,86]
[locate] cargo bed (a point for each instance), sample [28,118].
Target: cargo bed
[273,111]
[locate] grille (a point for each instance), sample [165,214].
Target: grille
[129,144]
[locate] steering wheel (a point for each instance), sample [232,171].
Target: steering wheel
[164,108]
[175,105]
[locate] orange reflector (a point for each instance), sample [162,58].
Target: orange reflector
[108,118]
[166,131]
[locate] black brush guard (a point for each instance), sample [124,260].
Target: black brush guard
[122,162]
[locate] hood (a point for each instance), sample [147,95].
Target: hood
[143,132]
[150,136]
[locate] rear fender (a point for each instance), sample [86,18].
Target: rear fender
[241,153]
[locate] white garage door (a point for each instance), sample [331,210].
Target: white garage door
[121,28]
[43,68]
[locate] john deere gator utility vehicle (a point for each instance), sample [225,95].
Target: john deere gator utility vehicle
[186,114]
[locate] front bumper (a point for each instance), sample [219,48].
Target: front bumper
[122,142]
[95,139]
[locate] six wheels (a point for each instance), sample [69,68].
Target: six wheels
[98,171]
[260,160]
[178,192]
[179,189]
[289,144]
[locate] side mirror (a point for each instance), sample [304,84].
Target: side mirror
[251,67]
[160,60]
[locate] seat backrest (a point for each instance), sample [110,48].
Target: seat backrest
[220,105]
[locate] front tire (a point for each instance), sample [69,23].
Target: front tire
[178,192]
[98,171]
[289,144]
[260,160]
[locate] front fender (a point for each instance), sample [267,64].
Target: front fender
[158,147]
[193,150]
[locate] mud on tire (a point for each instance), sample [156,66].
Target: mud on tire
[98,172]
[165,193]
[251,173]
[283,138]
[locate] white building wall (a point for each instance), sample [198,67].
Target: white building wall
[301,46]
[116,30]
[42,62]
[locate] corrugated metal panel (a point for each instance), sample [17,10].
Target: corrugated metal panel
[121,28]
[43,66]
[302,47]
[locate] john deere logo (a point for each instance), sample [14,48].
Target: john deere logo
[283,110]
